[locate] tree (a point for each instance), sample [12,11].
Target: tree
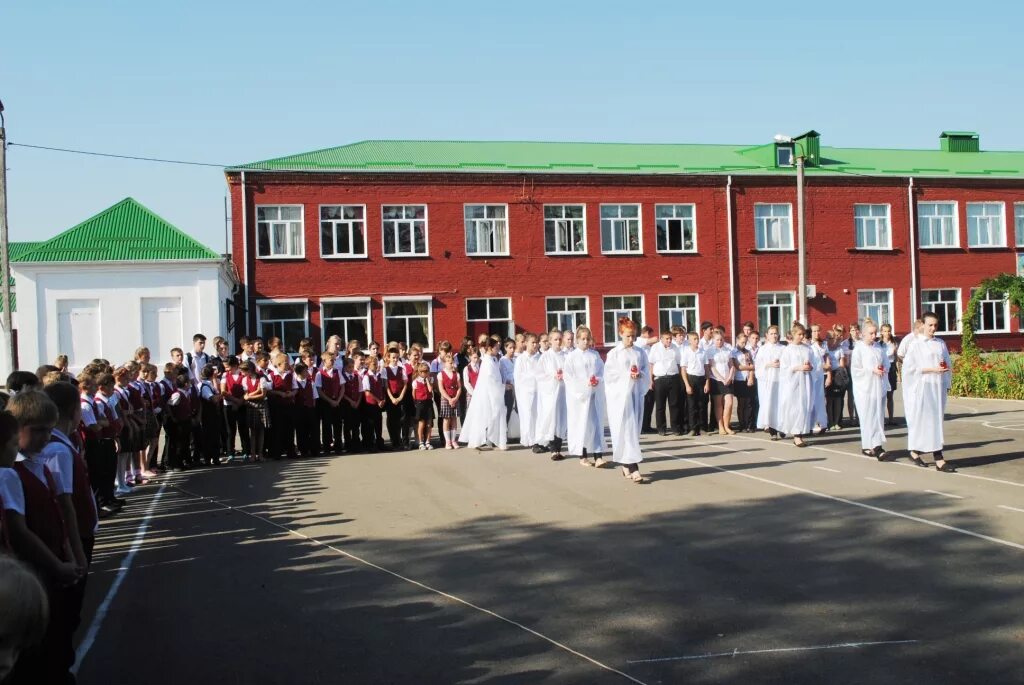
[1008,284]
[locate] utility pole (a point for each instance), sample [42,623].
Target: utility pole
[5,252]
[801,246]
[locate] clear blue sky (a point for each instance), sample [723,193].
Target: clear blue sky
[230,82]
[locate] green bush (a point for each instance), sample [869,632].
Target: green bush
[989,375]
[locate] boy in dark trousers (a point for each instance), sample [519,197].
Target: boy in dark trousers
[305,411]
[210,415]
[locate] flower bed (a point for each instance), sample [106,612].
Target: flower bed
[997,375]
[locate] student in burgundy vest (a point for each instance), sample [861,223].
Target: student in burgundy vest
[396,383]
[39,537]
[233,390]
[351,402]
[305,411]
[282,410]
[329,389]
[373,403]
[210,414]
[179,423]
[108,437]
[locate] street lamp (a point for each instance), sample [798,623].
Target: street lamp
[801,248]
[5,256]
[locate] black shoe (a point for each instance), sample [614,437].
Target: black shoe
[662,433]
[917,460]
[946,467]
[537,449]
[557,456]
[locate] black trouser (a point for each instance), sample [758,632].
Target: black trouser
[666,391]
[555,445]
[331,431]
[397,430]
[178,435]
[351,421]
[645,425]
[305,429]
[744,404]
[834,405]
[237,425]
[210,415]
[408,419]
[851,406]
[282,429]
[510,403]
[197,438]
[372,420]
[153,451]
[95,461]
[696,403]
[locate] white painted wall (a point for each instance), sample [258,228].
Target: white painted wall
[122,292]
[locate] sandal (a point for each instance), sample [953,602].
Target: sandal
[868,453]
[946,467]
[599,462]
[585,462]
[881,455]
[625,472]
[799,444]
[917,460]
[637,478]
[557,456]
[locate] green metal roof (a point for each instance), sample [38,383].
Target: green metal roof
[127,231]
[635,158]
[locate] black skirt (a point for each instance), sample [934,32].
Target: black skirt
[892,377]
[424,410]
[720,388]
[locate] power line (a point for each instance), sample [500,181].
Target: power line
[108,154]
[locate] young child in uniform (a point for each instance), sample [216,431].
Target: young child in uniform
[178,423]
[329,387]
[373,401]
[305,411]
[209,414]
[396,386]
[353,398]
[282,409]
[423,397]
[233,392]
[255,387]
[450,389]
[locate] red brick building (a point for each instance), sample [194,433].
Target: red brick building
[431,240]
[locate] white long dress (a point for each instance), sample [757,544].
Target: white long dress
[819,415]
[624,396]
[485,416]
[869,391]
[525,384]
[795,387]
[584,403]
[926,412]
[768,384]
[551,422]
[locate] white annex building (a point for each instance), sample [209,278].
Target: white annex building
[119,280]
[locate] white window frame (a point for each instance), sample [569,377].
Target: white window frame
[921,229]
[860,230]
[426,231]
[696,310]
[981,309]
[617,311]
[334,232]
[762,231]
[301,254]
[1018,223]
[692,223]
[561,312]
[891,305]
[510,330]
[639,226]
[346,337]
[931,306]
[998,233]
[582,219]
[429,299]
[783,329]
[293,300]
[476,227]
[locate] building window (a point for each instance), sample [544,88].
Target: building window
[279,231]
[1018,223]
[618,306]
[491,315]
[872,227]
[349,320]
[342,231]
[405,230]
[993,313]
[486,229]
[674,226]
[783,155]
[776,309]
[677,310]
[875,305]
[986,226]
[937,224]
[565,229]
[773,227]
[409,321]
[567,313]
[945,302]
[288,321]
[620,229]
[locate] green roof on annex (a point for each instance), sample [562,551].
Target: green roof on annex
[957,155]
[125,232]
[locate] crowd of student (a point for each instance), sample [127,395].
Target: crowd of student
[72,447]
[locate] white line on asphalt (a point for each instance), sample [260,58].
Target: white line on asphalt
[944,494]
[101,612]
[778,459]
[1005,506]
[735,652]
[825,468]
[896,463]
[879,480]
[862,505]
[423,586]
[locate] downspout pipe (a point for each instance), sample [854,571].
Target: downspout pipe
[913,254]
[732,259]
[245,256]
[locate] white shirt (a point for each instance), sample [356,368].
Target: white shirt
[904,345]
[37,465]
[58,458]
[508,368]
[720,358]
[88,415]
[693,361]
[739,355]
[12,496]
[664,360]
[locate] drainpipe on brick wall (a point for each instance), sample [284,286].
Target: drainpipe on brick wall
[245,259]
[913,253]
[732,265]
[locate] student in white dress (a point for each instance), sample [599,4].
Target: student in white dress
[627,378]
[927,369]
[767,364]
[551,421]
[819,417]
[795,366]
[485,416]
[888,343]
[583,373]
[525,372]
[869,371]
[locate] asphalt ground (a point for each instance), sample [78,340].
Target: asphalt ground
[743,561]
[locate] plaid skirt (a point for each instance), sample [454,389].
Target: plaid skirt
[447,411]
[257,413]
